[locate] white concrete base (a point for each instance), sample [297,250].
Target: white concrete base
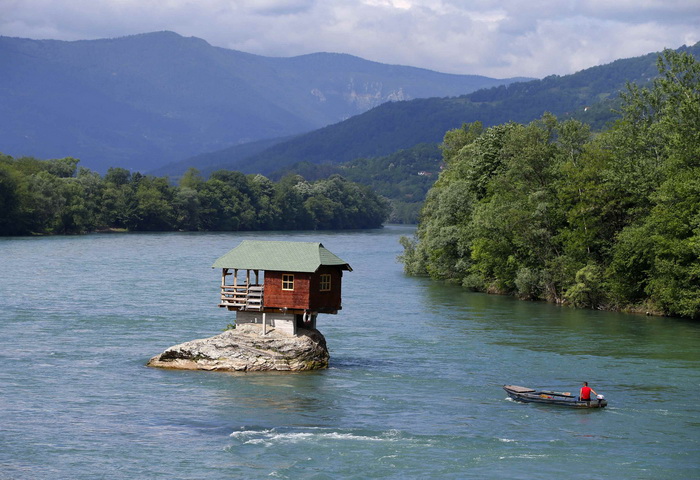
[281,322]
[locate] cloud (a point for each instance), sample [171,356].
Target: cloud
[499,38]
[277,7]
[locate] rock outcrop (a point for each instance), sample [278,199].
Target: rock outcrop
[246,349]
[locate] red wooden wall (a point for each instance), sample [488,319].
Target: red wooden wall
[306,294]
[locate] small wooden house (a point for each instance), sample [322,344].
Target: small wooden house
[284,285]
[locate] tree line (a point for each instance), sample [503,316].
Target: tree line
[58,197]
[548,210]
[404,177]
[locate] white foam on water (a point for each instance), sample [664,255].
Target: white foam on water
[524,455]
[271,437]
[249,433]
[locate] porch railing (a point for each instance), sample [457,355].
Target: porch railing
[242,297]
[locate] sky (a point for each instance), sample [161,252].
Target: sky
[504,38]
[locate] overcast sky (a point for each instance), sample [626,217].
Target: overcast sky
[503,38]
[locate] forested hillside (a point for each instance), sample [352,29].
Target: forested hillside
[142,101]
[548,210]
[54,196]
[588,95]
[404,177]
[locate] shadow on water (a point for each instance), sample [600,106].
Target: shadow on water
[539,326]
[344,362]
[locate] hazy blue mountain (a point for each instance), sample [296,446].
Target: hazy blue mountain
[588,95]
[209,162]
[146,100]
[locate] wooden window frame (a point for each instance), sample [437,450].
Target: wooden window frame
[288,282]
[325,282]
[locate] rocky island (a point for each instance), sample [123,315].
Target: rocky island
[277,290]
[248,349]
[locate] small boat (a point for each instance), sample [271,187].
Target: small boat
[524,394]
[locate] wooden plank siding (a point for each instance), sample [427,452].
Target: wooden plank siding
[306,294]
[317,274]
[330,300]
[298,298]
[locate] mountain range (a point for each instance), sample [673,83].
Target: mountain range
[590,95]
[143,101]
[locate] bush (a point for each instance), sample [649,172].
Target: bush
[529,283]
[587,292]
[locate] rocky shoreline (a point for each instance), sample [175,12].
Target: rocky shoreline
[246,349]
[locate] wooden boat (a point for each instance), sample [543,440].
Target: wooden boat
[524,394]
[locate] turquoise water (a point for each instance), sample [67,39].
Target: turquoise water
[414,388]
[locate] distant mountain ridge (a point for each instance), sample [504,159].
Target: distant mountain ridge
[145,100]
[588,95]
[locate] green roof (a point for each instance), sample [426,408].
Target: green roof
[279,256]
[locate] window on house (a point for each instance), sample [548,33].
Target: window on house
[325,282]
[287,281]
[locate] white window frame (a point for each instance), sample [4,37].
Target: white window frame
[288,282]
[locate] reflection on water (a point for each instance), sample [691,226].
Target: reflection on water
[564,330]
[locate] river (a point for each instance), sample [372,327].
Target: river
[414,389]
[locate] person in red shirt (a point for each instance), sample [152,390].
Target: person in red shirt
[585,393]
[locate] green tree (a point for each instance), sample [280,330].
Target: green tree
[547,210]
[289,199]
[153,210]
[588,290]
[192,179]
[674,280]
[46,202]
[13,200]
[268,213]
[118,176]
[657,254]
[187,208]
[62,167]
